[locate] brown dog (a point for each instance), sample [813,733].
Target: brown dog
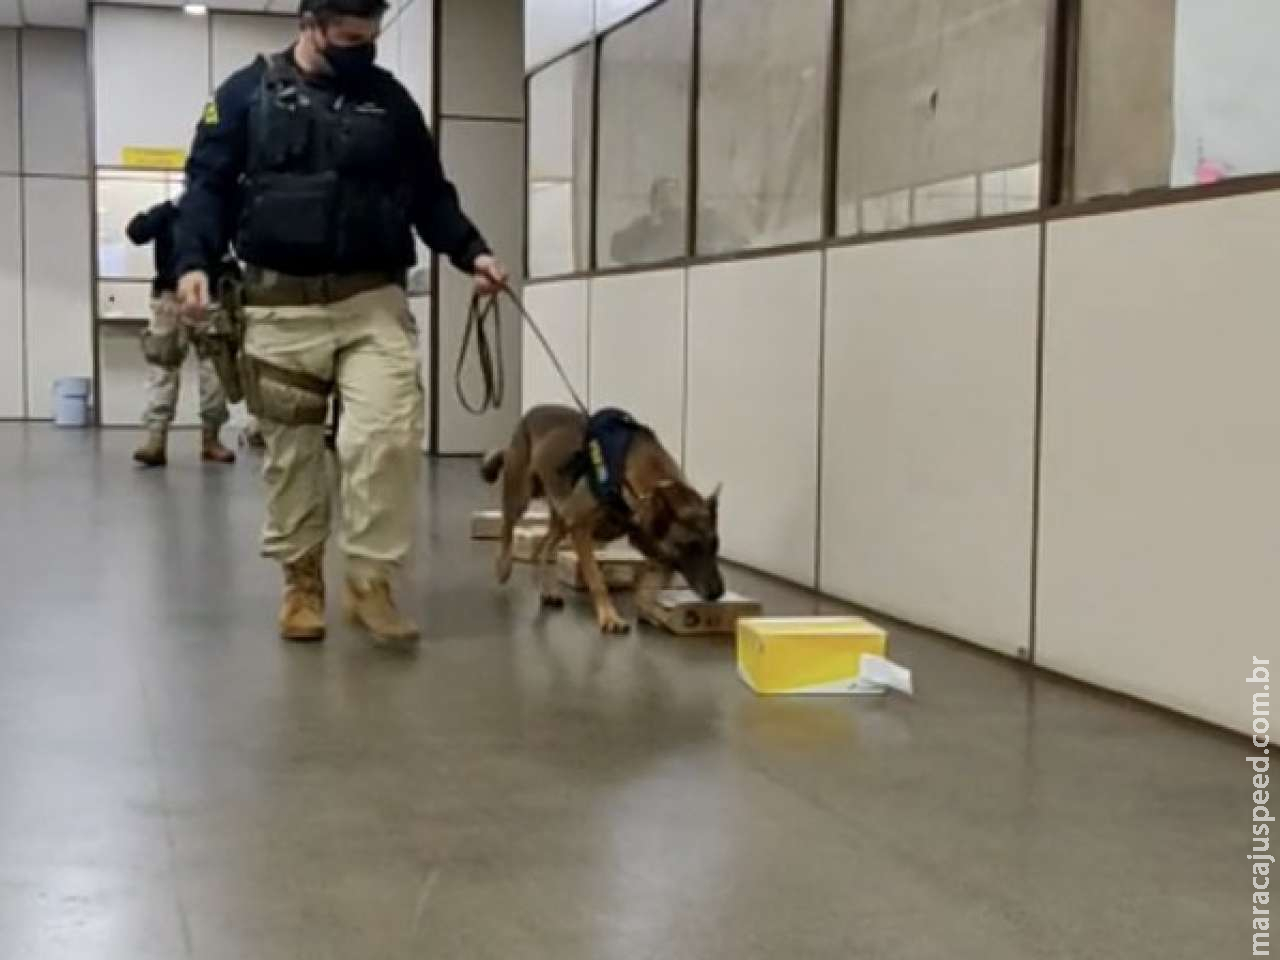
[669,522]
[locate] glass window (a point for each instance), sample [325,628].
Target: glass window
[122,195]
[645,70]
[609,12]
[941,111]
[1174,93]
[762,122]
[552,27]
[560,166]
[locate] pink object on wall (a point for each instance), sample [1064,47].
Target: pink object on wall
[1210,171]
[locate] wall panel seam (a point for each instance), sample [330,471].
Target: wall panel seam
[1037,445]
[22,234]
[819,488]
[684,388]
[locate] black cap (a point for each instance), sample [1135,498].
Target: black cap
[350,8]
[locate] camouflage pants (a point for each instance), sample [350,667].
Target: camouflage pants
[163,384]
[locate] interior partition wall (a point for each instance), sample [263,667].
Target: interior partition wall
[138,156]
[943,293]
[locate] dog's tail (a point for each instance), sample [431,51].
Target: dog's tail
[491,468]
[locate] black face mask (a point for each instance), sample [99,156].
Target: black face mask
[351,63]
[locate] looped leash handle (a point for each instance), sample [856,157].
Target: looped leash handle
[491,363]
[492,370]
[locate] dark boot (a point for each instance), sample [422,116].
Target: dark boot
[212,450]
[302,608]
[153,453]
[253,439]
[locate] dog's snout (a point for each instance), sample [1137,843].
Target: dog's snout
[711,587]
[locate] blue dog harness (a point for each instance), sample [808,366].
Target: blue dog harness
[603,458]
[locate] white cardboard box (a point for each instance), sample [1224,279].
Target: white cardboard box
[685,614]
[487,524]
[620,564]
[528,540]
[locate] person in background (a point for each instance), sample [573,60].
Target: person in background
[316,165]
[165,346]
[661,234]
[658,234]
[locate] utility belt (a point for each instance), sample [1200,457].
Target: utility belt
[292,397]
[270,392]
[270,288]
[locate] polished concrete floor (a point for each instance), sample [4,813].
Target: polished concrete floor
[176,783]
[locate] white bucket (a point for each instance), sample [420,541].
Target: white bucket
[71,401]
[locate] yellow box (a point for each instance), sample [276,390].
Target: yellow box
[814,655]
[621,566]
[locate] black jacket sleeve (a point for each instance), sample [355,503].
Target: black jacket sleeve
[218,156]
[147,226]
[436,211]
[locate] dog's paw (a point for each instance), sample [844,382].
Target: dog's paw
[503,569]
[613,625]
[552,601]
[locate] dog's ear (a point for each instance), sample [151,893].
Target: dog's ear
[713,503]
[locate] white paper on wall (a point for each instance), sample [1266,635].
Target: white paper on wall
[1226,73]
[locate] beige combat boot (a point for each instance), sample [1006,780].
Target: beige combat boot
[212,450]
[302,609]
[369,605]
[153,453]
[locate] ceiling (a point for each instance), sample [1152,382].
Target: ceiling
[42,13]
[240,6]
[71,13]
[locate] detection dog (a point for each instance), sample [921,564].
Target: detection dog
[605,477]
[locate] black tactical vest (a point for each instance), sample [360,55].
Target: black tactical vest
[323,190]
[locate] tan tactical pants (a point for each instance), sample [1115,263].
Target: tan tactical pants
[367,345]
[164,384]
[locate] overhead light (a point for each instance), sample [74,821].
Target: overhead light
[195,9]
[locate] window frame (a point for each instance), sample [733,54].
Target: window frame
[593,43]
[691,148]
[1057,200]
[1050,151]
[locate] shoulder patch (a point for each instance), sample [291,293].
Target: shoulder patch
[210,116]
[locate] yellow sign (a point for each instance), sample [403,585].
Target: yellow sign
[210,117]
[153,158]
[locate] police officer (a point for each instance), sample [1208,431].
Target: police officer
[317,165]
[165,346]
